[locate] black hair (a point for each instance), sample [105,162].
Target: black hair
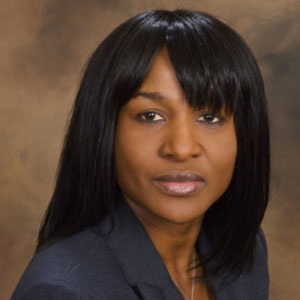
[215,69]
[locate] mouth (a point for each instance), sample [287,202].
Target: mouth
[180,184]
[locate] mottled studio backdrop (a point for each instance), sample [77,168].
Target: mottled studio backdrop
[43,47]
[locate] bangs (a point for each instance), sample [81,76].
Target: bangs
[205,65]
[209,59]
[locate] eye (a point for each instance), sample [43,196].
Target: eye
[150,116]
[210,119]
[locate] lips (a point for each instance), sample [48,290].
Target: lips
[180,183]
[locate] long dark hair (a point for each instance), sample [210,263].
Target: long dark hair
[215,68]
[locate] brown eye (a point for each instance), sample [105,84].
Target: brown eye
[210,119]
[150,116]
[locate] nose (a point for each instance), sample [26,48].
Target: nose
[181,142]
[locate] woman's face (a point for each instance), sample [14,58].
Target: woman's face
[172,162]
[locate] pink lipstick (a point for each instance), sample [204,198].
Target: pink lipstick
[180,183]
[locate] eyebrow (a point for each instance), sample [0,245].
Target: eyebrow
[149,95]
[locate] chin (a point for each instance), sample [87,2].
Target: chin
[178,211]
[167,209]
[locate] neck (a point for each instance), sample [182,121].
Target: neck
[174,242]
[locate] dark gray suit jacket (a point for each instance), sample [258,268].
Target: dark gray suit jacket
[123,265]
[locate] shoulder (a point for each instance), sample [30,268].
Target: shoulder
[256,280]
[71,267]
[259,274]
[253,284]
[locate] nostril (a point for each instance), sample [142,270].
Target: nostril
[180,143]
[180,154]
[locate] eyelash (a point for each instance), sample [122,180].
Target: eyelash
[141,119]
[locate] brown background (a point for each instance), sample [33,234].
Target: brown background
[44,45]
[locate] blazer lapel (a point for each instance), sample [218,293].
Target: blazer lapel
[145,270]
[149,292]
[225,288]
[132,247]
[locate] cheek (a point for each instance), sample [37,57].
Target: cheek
[222,161]
[133,156]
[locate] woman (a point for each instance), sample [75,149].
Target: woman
[164,176]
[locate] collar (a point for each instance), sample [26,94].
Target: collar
[137,256]
[139,260]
